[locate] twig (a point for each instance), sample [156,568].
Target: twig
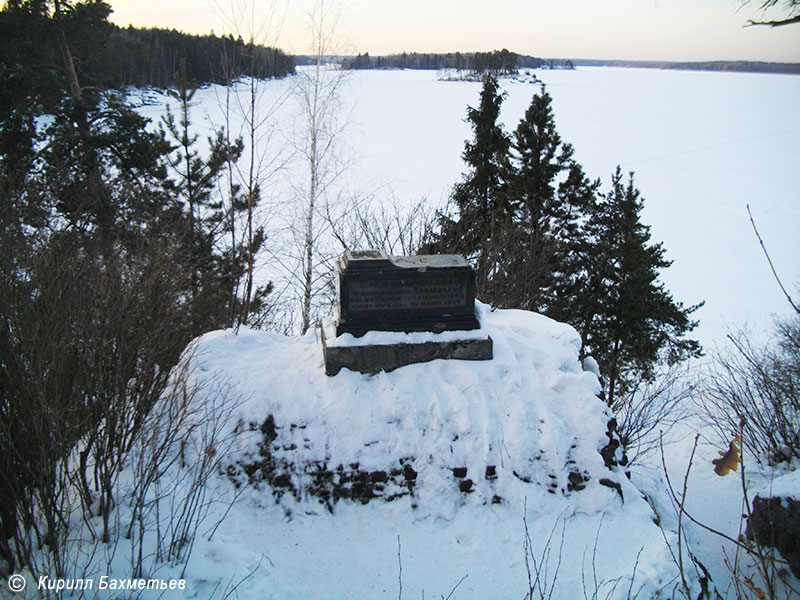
[789,21]
[455,587]
[399,570]
[245,578]
[680,514]
[633,575]
[526,547]
[769,260]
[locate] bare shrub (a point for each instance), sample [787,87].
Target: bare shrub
[543,568]
[763,385]
[652,405]
[88,341]
[178,449]
[382,223]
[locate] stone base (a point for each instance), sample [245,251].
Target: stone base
[436,324]
[388,357]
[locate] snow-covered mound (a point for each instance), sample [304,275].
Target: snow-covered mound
[482,470]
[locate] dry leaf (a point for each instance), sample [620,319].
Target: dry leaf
[756,590]
[728,461]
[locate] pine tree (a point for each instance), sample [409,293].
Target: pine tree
[628,321]
[477,195]
[546,194]
[212,274]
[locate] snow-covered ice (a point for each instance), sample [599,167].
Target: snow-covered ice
[703,146]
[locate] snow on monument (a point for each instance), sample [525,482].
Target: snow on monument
[477,466]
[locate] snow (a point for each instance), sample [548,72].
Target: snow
[786,485]
[531,412]
[703,146]
[375,338]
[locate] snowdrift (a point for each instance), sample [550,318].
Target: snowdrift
[481,476]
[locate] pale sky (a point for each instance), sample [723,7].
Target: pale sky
[672,30]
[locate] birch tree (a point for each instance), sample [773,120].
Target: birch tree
[318,91]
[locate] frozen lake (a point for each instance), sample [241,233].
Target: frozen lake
[703,145]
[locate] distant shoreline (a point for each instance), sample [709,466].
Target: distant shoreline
[737,66]
[437,61]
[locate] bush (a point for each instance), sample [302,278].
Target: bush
[761,384]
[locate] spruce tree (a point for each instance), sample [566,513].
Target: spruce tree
[213,274]
[477,196]
[628,320]
[546,194]
[487,156]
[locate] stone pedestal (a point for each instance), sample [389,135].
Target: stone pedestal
[373,358]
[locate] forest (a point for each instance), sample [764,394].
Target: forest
[498,61]
[108,56]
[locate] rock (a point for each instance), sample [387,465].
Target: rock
[775,522]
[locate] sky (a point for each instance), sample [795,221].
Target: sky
[671,30]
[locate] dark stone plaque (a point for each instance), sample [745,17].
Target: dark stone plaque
[404,293]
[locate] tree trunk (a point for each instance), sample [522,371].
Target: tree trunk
[66,57]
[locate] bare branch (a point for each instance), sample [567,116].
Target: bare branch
[769,260]
[780,23]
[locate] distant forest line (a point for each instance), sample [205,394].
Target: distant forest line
[141,57]
[497,61]
[743,66]
[504,61]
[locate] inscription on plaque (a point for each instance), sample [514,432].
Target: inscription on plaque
[404,293]
[380,295]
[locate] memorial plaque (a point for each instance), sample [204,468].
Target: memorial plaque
[404,293]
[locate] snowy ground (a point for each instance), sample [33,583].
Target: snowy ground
[530,413]
[702,145]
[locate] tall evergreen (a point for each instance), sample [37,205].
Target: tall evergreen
[214,273]
[628,320]
[542,238]
[486,156]
[477,196]
[546,193]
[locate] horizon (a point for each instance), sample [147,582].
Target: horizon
[623,30]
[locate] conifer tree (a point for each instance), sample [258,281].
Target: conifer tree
[487,156]
[542,239]
[195,185]
[628,320]
[546,194]
[477,196]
